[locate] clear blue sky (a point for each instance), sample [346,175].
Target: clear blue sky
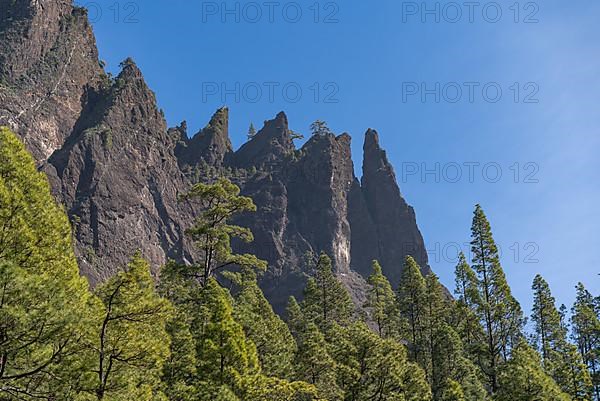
[370,57]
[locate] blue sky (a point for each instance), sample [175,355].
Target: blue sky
[529,156]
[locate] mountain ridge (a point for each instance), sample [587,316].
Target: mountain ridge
[120,170]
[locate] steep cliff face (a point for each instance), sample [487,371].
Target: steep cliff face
[120,181]
[48,66]
[119,170]
[390,230]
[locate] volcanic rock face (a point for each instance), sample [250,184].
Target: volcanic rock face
[119,170]
[48,65]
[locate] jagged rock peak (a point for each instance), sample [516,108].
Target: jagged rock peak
[132,77]
[277,128]
[270,145]
[394,220]
[374,157]
[210,145]
[281,117]
[49,67]
[130,69]
[219,123]
[371,139]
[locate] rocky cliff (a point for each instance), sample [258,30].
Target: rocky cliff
[119,170]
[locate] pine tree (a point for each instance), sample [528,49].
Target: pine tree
[586,333]
[212,232]
[376,368]
[43,309]
[498,310]
[295,135]
[464,317]
[314,364]
[466,283]
[320,128]
[445,355]
[453,392]
[326,300]
[179,372]
[225,357]
[251,131]
[572,374]
[522,378]
[381,301]
[295,318]
[548,331]
[411,306]
[130,343]
[274,389]
[275,345]
[560,359]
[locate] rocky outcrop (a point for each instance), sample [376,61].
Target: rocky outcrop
[120,181]
[210,146]
[269,147]
[386,226]
[48,67]
[120,171]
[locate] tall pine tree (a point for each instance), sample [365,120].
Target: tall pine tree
[586,333]
[381,302]
[465,318]
[314,364]
[326,300]
[498,311]
[130,342]
[522,378]
[212,231]
[43,309]
[411,305]
[560,359]
[275,345]
[225,357]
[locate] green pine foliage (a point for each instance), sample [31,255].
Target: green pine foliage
[179,371]
[326,300]
[464,316]
[43,300]
[378,368]
[498,311]
[314,363]
[586,333]
[522,378]
[411,306]
[251,132]
[549,334]
[270,334]
[225,357]
[381,303]
[572,374]
[433,341]
[453,392]
[212,231]
[130,342]
[560,359]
